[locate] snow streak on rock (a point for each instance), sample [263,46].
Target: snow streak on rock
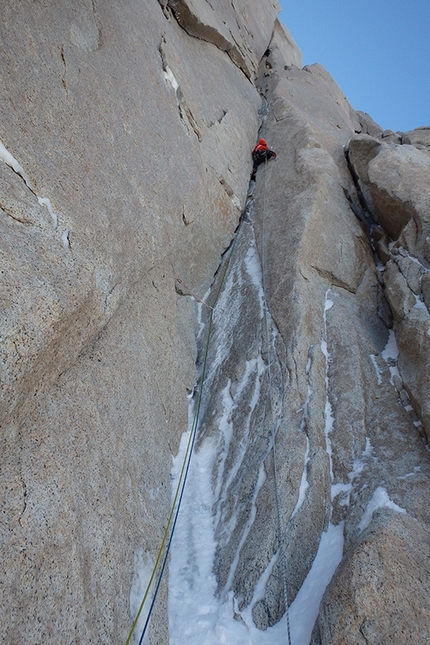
[329,419]
[210,515]
[200,613]
[390,355]
[10,160]
[304,610]
[379,499]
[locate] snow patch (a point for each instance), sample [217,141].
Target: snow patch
[390,355]
[45,201]
[253,268]
[419,304]
[65,238]
[379,499]
[10,160]
[358,466]
[169,76]
[376,368]
[305,608]
[304,484]
[328,410]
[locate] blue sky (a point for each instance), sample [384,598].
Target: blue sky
[378,51]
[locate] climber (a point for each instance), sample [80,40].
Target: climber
[260,153]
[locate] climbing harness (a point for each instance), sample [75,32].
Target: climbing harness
[176,504]
[275,422]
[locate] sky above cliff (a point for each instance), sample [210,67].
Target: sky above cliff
[378,51]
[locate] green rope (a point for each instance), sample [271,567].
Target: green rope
[190,440]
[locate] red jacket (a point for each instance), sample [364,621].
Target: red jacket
[261,145]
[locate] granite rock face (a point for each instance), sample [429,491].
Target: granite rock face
[385,564]
[122,169]
[126,133]
[346,429]
[395,182]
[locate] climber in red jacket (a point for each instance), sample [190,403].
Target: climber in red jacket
[260,154]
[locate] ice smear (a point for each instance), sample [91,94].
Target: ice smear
[65,238]
[419,304]
[390,355]
[379,499]
[253,268]
[197,616]
[417,469]
[304,484]
[376,368]
[143,566]
[169,76]
[45,201]
[305,608]
[328,410]
[10,160]
[249,523]
[358,466]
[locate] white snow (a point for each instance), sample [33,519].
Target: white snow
[198,615]
[390,355]
[65,238]
[328,410]
[45,201]
[419,304]
[376,368]
[143,566]
[305,608]
[304,484]
[195,615]
[391,350]
[379,499]
[168,75]
[358,466]
[367,452]
[253,269]
[10,160]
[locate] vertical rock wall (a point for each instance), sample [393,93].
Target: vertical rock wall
[124,165]
[126,131]
[350,456]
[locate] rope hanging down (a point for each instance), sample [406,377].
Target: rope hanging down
[174,512]
[275,422]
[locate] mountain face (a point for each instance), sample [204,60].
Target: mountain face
[126,135]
